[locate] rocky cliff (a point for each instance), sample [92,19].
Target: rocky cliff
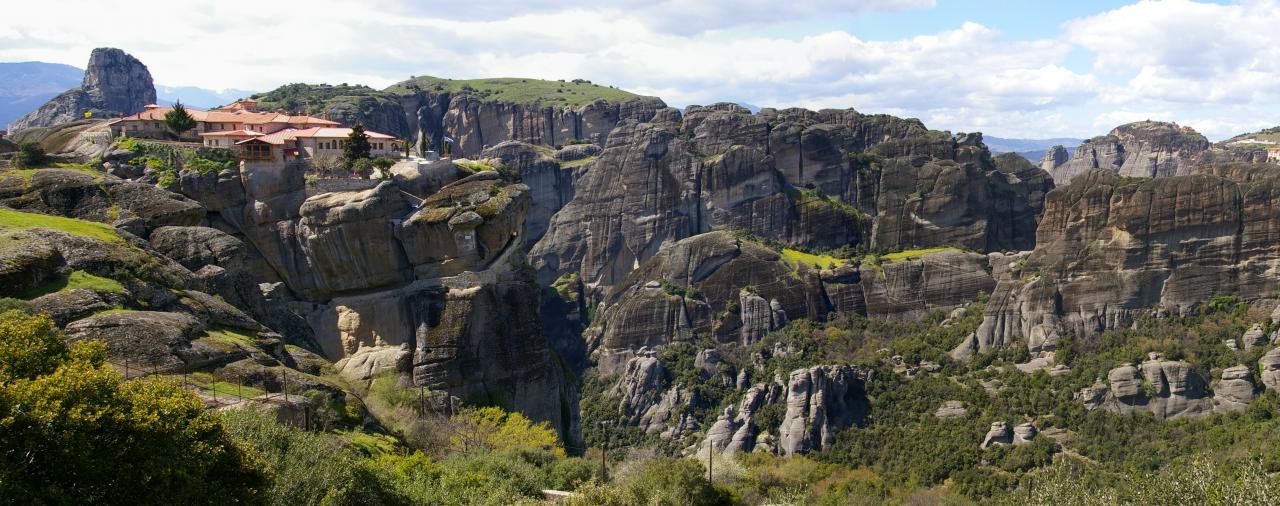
[1141,149]
[822,180]
[114,83]
[1111,247]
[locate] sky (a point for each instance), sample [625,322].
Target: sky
[1028,69]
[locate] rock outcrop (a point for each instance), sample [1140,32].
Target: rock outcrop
[999,434]
[821,179]
[1142,149]
[1235,390]
[1110,248]
[1165,388]
[1270,365]
[821,401]
[951,409]
[114,83]
[738,290]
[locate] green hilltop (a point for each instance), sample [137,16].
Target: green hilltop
[518,90]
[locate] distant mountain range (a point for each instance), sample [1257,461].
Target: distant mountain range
[25,86]
[1031,149]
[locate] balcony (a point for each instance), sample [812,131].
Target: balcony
[255,152]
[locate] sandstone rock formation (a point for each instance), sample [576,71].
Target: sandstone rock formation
[1141,149]
[1110,248]
[999,434]
[1270,365]
[737,290]
[114,83]
[821,401]
[1024,433]
[1235,390]
[1166,388]
[825,180]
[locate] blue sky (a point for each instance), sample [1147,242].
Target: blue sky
[1006,68]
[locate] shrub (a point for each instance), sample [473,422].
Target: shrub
[72,432]
[383,162]
[306,468]
[29,155]
[362,167]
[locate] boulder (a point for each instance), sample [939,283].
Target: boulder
[25,262]
[150,340]
[196,247]
[1235,390]
[1254,337]
[1165,388]
[65,306]
[999,434]
[1024,433]
[1270,366]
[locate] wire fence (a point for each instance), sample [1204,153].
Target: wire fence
[263,386]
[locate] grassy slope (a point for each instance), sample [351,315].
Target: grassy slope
[519,90]
[912,253]
[16,221]
[77,279]
[800,257]
[27,174]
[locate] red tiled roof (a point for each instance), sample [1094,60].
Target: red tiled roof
[232,133]
[340,133]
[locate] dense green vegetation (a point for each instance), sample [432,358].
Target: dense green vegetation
[902,448]
[168,159]
[71,432]
[518,90]
[314,99]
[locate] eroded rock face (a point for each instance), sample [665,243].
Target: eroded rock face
[821,401]
[999,434]
[476,122]
[114,83]
[101,198]
[825,180]
[739,290]
[1110,248]
[737,429]
[1166,388]
[1235,390]
[1270,365]
[1142,149]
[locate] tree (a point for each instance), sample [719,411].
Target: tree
[326,165]
[71,432]
[179,120]
[362,167]
[29,155]
[492,429]
[357,146]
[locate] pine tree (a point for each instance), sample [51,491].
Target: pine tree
[179,120]
[357,146]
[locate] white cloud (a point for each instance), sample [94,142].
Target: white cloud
[1169,59]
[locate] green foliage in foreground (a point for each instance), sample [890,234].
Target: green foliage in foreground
[71,432]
